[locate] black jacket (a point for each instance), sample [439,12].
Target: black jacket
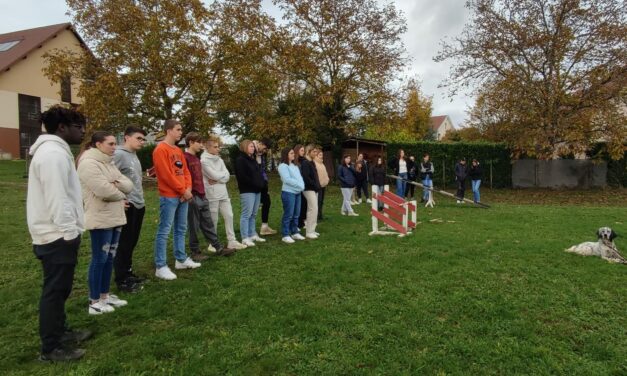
[378,174]
[394,165]
[363,174]
[426,170]
[461,171]
[475,173]
[248,174]
[310,175]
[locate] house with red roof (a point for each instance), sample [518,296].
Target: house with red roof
[440,125]
[24,89]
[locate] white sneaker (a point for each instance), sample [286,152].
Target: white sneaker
[211,249]
[298,237]
[99,308]
[359,201]
[311,236]
[266,230]
[114,301]
[288,240]
[187,264]
[164,272]
[235,245]
[248,242]
[368,201]
[317,233]
[257,238]
[353,214]
[343,213]
[353,202]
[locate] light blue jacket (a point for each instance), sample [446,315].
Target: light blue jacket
[291,178]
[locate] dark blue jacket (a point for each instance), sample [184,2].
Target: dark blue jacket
[346,176]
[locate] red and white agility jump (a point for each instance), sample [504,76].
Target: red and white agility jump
[397,214]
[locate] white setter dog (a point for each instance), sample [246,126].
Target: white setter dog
[604,247]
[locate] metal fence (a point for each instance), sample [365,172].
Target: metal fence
[559,173]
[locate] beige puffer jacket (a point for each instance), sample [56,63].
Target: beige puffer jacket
[104,190]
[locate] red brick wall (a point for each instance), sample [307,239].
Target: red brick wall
[10,141]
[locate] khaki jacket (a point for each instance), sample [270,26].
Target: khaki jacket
[104,190]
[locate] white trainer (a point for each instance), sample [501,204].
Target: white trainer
[114,301]
[288,240]
[311,236]
[298,237]
[257,238]
[187,264]
[353,214]
[248,242]
[343,212]
[369,201]
[164,272]
[99,308]
[234,244]
[317,233]
[266,230]
[211,249]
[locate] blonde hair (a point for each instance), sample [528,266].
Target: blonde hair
[243,146]
[308,149]
[214,139]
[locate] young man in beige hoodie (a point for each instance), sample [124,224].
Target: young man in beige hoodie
[54,211]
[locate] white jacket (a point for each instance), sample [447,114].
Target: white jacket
[213,168]
[104,190]
[54,207]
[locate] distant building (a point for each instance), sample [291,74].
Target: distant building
[24,90]
[440,125]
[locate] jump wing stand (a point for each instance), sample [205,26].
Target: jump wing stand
[397,214]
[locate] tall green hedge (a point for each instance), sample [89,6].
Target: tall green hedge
[495,159]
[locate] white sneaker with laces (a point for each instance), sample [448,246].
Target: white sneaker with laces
[288,240]
[353,214]
[266,230]
[114,301]
[164,272]
[211,249]
[257,238]
[298,237]
[317,233]
[187,264]
[311,236]
[343,213]
[248,242]
[369,201]
[235,245]
[99,307]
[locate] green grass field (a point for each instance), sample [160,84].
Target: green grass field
[483,292]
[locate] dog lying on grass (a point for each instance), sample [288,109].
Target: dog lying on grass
[604,247]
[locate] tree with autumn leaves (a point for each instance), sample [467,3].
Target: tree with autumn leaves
[549,75]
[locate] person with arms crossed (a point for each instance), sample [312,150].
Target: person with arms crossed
[261,157]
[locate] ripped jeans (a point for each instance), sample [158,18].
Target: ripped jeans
[104,244]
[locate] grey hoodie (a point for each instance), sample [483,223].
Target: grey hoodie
[127,162]
[54,204]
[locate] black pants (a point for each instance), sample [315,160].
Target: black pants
[123,261]
[362,186]
[265,205]
[303,211]
[461,188]
[320,202]
[58,260]
[199,217]
[409,192]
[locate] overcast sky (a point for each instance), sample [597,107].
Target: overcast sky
[428,22]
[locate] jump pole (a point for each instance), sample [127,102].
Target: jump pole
[479,204]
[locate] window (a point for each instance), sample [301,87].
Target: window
[7,45]
[66,88]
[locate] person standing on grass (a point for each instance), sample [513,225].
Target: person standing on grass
[323,177]
[250,183]
[261,155]
[198,214]
[400,166]
[426,175]
[54,213]
[299,154]
[174,183]
[411,176]
[104,190]
[461,173]
[361,184]
[312,186]
[475,174]
[215,176]
[293,186]
[346,176]
[125,159]
[377,171]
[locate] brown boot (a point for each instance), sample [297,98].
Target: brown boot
[197,256]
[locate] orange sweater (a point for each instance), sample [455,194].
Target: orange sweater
[173,176]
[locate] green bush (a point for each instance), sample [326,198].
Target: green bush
[494,158]
[145,156]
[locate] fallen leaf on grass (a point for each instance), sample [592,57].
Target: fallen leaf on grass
[436,220]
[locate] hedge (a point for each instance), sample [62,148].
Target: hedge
[494,158]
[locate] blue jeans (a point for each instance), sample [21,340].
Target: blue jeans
[250,206]
[427,182]
[104,244]
[475,190]
[171,212]
[400,184]
[291,212]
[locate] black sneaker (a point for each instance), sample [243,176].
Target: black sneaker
[225,252]
[130,287]
[135,279]
[62,355]
[76,336]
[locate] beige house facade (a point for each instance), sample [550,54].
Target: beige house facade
[440,125]
[24,89]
